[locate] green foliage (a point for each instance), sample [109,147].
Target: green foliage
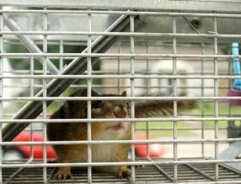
[166,128]
[21,64]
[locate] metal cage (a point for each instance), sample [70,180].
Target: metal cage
[180,49]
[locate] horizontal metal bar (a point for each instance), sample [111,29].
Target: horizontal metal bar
[221,114]
[149,141]
[122,86]
[207,6]
[129,34]
[179,129]
[188,114]
[51,41]
[84,164]
[117,12]
[102,72]
[208,58]
[233,181]
[164,98]
[118,76]
[128,55]
[158,129]
[155,120]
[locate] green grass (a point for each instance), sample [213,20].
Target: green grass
[163,126]
[208,111]
[223,111]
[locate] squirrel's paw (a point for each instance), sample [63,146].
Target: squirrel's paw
[63,173]
[124,172]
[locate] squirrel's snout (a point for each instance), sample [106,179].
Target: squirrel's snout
[121,107]
[120,112]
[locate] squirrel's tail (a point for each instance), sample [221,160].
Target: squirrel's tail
[149,108]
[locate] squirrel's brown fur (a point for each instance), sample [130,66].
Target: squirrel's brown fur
[99,130]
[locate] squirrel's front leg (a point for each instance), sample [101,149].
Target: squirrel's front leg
[63,173]
[64,156]
[123,172]
[122,155]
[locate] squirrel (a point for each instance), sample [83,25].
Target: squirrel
[100,130]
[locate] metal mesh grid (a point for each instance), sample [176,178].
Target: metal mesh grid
[191,54]
[150,174]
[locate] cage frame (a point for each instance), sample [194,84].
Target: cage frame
[220,9]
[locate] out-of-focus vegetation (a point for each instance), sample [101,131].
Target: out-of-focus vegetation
[166,128]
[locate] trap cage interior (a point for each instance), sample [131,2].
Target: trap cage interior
[172,52]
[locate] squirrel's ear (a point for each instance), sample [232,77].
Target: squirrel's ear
[124,93]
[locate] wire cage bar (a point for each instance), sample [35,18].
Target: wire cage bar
[173,60]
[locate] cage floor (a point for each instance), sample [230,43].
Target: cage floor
[203,173]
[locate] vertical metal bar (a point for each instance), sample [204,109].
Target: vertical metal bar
[31,146]
[216,94]
[174,50]
[32,73]
[61,59]
[45,50]
[229,86]
[202,104]
[147,93]
[89,85]
[1,93]
[132,80]
[118,68]
[31,94]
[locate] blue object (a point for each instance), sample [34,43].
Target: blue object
[236,65]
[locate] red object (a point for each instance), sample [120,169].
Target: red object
[155,150]
[25,136]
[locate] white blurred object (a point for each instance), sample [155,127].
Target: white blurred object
[12,155]
[12,87]
[185,86]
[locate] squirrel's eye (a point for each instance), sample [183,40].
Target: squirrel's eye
[97,104]
[128,105]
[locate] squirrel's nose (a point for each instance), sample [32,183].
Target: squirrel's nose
[121,106]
